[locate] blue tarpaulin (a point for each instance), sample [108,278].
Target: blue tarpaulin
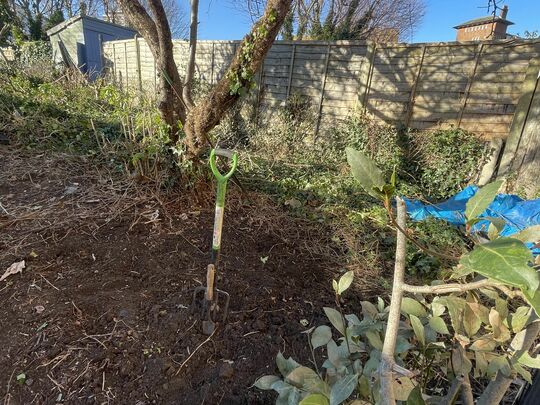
[517,213]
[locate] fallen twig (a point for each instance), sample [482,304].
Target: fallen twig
[195,351]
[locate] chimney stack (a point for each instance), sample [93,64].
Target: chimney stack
[504,12]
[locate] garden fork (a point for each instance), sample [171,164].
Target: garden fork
[212,302]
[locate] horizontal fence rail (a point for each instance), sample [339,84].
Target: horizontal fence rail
[475,86]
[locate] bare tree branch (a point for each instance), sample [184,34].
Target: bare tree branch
[188,82]
[392,326]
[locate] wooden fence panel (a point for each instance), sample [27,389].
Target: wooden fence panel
[475,86]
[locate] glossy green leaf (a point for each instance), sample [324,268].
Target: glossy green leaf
[499,363]
[285,366]
[321,336]
[527,360]
[533,298]
[530,234]
[495,227]
[369,310]
[301,376]
[456,307]
[481,200]
[314,399]
[505,260]
[519,319]
[265,382]
[365,171]
[343,388]
[523,373]
[363,386]
[374,339]
[335,319]
[418,329]
[438,325]
[415,397]
[345,282]
[410,306]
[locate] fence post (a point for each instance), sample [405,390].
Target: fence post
[155,73]
[126,63]
[212,65]
[138,61]
[291,66]
[259,92]
[412,97]
[322,90]
[368,73]
[114,60]
[521,114]
[480,48]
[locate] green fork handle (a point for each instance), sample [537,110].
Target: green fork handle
[220,197]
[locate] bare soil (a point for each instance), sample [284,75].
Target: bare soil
[101,312]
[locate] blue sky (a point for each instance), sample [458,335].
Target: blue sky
[220,20]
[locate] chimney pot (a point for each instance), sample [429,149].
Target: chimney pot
[504,12]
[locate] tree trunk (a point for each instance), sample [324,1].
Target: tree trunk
[157,34]
[247,61]
[174,103]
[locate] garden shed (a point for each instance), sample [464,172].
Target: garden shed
[77,42]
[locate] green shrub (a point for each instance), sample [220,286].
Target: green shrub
[445,160]
[35,53]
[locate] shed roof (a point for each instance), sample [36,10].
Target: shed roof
[484,20]
[68,22]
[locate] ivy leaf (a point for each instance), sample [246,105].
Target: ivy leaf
[438,325]
[343,388]
[265,382]
[335,319]
[530,234]
[345,282]
[415,397]
[505,260]
[410,306]
[365,171]
[314,399]
[321,336]
[481,200]
[418,329]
